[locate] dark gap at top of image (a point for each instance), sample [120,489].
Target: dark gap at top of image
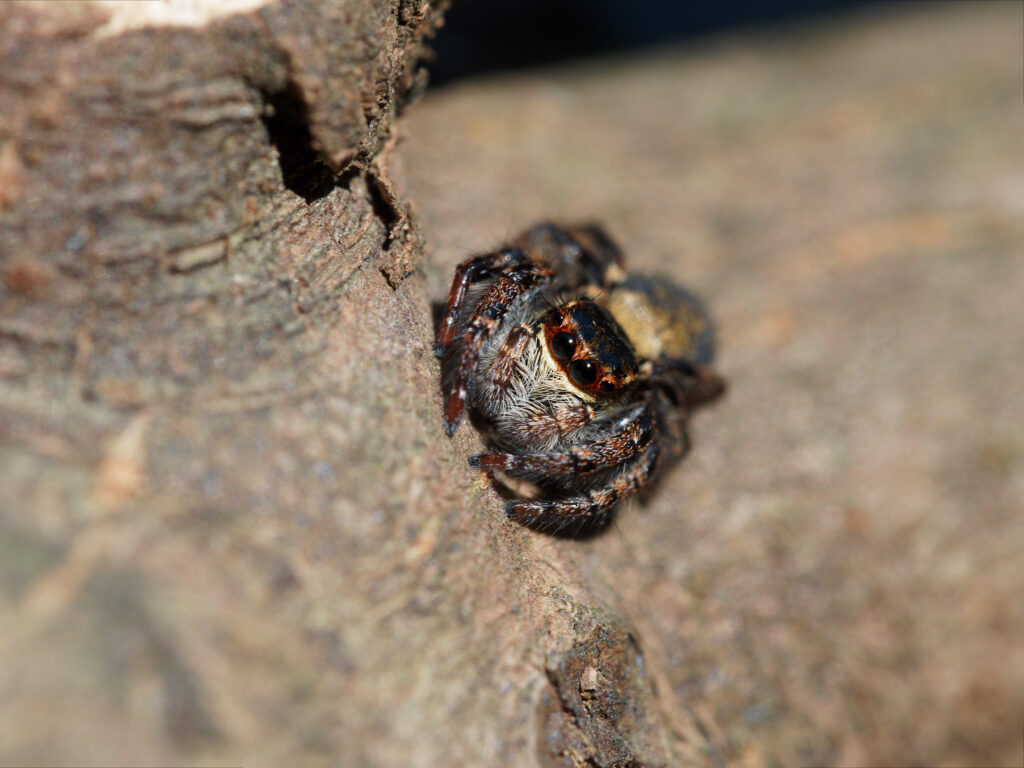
[488,36]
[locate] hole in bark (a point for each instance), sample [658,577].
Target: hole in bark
[287,122]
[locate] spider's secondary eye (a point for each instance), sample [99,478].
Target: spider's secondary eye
[607,387]
[563,345]
[583,372]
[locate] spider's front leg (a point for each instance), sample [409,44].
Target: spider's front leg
[584,254]
[499,378]
[630,435]
[517,283]
[468,272]
[592,503]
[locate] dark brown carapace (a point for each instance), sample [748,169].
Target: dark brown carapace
[590,348]
[581,376]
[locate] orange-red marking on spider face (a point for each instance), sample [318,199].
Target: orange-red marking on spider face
[590,348]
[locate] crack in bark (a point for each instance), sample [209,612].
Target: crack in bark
[305,171]
[286,118]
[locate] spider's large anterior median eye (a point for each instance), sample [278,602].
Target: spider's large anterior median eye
[583,372]
[563,345]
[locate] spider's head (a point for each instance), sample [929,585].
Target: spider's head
[590,348]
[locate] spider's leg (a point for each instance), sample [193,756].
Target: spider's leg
[468,272]
[499,377]
[631,434]
[633,478]
[675,387]
[583,254]
[516,284]
[688,384]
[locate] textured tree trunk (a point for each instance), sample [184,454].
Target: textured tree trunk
[194,440]
[232,531]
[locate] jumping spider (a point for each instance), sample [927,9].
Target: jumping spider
[580,377]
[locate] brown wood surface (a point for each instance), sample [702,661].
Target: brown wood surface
[232,531]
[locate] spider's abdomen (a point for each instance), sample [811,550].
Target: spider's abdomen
[661,318]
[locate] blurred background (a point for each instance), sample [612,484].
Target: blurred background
[484,37]
[832,576]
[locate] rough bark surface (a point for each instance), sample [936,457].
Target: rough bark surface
[233,532]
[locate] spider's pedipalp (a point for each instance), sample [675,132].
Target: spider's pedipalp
[544,428]
[499,377]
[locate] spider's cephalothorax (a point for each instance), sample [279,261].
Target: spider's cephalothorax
[581,376]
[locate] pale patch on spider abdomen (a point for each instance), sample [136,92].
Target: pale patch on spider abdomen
[661,319]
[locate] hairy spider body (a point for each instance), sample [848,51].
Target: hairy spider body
[580,376]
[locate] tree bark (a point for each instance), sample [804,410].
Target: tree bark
[232,530]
